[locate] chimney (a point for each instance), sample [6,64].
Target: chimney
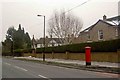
[33,36]
[51,36]
[104,17]
[46,37]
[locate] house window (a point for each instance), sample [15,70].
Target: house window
[38,46]
[88,36]
[100,34]
[116,32]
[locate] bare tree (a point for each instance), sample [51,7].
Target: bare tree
[63,25]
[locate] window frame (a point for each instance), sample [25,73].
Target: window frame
[116,32]
[100,35]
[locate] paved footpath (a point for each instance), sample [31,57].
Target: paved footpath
[102,64]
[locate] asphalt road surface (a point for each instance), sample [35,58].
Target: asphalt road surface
[23,69]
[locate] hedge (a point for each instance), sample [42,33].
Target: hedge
[17,52]
[102,46]
[6,53]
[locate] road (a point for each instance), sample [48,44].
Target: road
[22,69]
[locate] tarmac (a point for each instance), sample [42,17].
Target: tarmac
[76,62]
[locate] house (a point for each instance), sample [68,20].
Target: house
[102,30]
[49,42]
[33,42]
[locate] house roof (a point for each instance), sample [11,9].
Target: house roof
[47,40]
[33,40]
[114,18]
[111,23]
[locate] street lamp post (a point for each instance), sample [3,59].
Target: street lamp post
[44,37]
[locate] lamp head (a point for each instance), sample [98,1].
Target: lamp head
[39,15]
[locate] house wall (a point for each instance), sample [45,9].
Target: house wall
[109,33]
[119,32]
[82,38]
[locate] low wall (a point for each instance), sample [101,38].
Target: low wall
[95,56]
[105,57]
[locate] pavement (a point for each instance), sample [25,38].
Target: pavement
[77,62]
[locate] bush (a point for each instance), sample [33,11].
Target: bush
[18,52]
[102,46]
[105,46]
[6,53]
[27,51]
[39,50]
[60,49]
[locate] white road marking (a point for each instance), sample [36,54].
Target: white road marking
[20,68]
[44,77]
[8,64]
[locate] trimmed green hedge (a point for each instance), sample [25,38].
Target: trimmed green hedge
[6,53]
[102,46]
[23,51]
[27,50]
[18,52]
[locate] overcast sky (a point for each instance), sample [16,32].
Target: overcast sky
[24,12]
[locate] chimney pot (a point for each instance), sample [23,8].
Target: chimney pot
[104,17]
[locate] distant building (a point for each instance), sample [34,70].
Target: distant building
[49,42]
[33,43]
[102,30]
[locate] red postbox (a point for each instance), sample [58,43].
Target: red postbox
[88,55]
